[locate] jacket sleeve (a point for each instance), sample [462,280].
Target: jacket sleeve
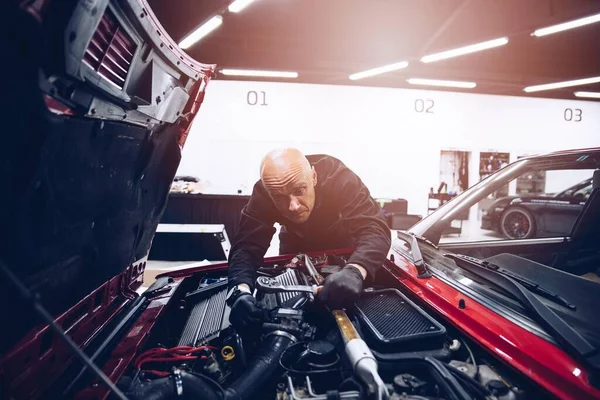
[252,241]
[365,221]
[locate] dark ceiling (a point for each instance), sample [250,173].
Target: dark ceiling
[327,40]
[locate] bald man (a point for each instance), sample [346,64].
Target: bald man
[321,205]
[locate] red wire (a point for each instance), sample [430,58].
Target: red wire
[169,359]
[179,353]
[160,351]
[159,373]
[184,349]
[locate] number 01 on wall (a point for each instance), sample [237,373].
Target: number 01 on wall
[254,98]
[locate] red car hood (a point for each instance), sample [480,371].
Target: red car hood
[94,131]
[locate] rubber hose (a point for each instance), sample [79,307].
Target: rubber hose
[262,368]
[164,388]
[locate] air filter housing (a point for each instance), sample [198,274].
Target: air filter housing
[391,322]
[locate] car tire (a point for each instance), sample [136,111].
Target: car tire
[517,223]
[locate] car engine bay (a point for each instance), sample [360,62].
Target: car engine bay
[385,347]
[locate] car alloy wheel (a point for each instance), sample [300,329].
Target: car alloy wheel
[517,223]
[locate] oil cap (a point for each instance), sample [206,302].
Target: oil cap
[498,388]
[320,354]
[409,384]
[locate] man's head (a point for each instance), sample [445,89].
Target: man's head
[290,180]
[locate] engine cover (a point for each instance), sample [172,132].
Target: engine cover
[391,322]
[286,299]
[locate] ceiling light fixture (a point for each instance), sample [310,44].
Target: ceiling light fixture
[437,82]
[378,70]
[201,31]
[257,73]
[465,50]
[239,5]
[560,85]
[567,25]
[590,95]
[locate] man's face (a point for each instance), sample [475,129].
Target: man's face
[295,196]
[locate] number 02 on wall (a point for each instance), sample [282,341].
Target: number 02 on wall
[424,105]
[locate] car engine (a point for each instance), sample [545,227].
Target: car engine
[385,347]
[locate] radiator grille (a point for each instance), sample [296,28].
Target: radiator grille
[205,320]
[110,51]
[393,318]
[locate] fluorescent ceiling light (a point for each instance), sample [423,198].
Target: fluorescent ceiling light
[590,95]
[567,25]
[238,5]
[267,74]
[378,70]
[202,31]
[559,85]
[437,82]
[465,50]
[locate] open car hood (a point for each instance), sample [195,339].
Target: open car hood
[100,104]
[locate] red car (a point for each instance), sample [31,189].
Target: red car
[99,104]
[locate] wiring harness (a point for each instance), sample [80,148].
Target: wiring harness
[174,354]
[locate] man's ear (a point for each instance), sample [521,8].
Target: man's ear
[314,176]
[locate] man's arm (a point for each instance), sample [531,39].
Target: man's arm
[365,221]
[251,242]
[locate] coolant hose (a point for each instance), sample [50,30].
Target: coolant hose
[181,385]
[262,368]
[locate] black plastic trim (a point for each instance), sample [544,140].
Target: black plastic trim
[564,333]
[524,322]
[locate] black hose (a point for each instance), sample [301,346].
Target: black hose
[259,371]
[442,354]
[262,368]
[192,387]
[475,387]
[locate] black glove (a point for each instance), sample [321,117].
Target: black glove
[342,288]
[245,314]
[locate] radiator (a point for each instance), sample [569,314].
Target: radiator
[205,320]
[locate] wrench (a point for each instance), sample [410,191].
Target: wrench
[270,285]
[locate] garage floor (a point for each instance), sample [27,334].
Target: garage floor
[470,232]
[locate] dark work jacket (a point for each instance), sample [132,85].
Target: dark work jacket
[344,216]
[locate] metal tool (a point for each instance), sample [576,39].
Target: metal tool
[360,356]
[270,285]
[312,271]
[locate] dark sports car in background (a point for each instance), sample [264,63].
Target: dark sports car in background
[537,215]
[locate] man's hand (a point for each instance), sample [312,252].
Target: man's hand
[363,271]
[343,288]
[245,314]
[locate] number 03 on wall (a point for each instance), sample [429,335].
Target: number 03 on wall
[573,114]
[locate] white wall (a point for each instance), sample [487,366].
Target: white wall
[375,131]
[558,181]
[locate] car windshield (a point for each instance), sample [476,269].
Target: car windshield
[537,197]
[532,220]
